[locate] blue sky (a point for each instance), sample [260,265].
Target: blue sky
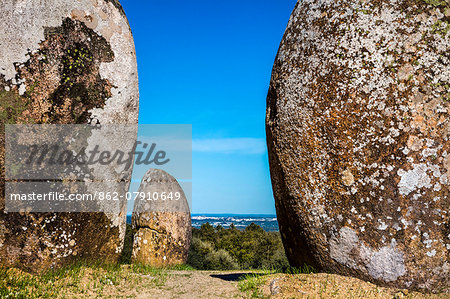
[208,63]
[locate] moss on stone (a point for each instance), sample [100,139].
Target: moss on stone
[76,52]
[11,107]
[441,28]
[436,2]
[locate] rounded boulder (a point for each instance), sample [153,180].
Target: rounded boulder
[358,138]
[64,62]
[161,221]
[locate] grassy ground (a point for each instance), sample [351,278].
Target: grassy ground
[80,279]
[125,280]
[136,281]
[121,281]
[320,285]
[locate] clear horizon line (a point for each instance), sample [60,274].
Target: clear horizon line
[227,214]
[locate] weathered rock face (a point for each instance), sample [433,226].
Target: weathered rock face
[162,228]
[64,62]
[358,137]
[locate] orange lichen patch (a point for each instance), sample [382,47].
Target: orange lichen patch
[348,178]
[112,28]
[405,72]
[414,143]
[429,114]
[103,14]
[91,21]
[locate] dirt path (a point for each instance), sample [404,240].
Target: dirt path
[134,281]
[215,284]
[171,284]
[196,284]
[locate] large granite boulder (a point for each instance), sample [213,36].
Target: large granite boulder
[64,62]
[161,222]
[358,138]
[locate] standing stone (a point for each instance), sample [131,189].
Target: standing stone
[358,137]
[64,62]
[162,227]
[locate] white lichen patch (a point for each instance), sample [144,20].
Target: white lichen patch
[431,253]
[414,179]
[386,263]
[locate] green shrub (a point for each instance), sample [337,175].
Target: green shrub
[252,248]
[220,260]
[197,253]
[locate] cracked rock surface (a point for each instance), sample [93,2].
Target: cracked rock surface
[162,227]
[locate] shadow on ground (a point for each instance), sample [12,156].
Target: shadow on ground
[235,276]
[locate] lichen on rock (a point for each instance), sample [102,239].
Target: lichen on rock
[358,138]
[57,67]
[162,228]
[62,78]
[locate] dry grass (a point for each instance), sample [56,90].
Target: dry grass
[136,281]
[321,285]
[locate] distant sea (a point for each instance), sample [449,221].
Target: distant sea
[267,222]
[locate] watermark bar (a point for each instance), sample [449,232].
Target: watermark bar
[84,168]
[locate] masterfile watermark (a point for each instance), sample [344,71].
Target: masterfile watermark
[85,168]
[45,154]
